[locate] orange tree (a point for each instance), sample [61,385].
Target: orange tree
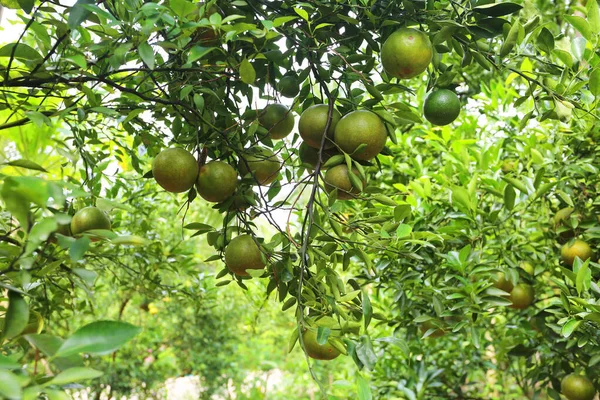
[442,235]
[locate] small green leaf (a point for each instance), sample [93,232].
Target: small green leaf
[17,315]
[22,51]
[584,278]
[581,25]
[147,54]
[367,309]
[10,387]
[498,9]
[247,72]
[570,327]
[403,231]
[509,197]
[78,13]
[197,52]
[511,39]
[545,40]
[593,15]
[594,82]
[364,390]
[7,363]
[75,374]
[26,5]
[100,337]
[302,13]
[323,334]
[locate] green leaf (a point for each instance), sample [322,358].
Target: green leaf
[78,248]
[182,8]
[26,5]
[509,197]
[302,13]
[403,230]
[131,240]
[516,183]
[367,309]
[570,327]
[21,51]
[25,164]
[7,363]
[545,40]
[75,374]
[197,52]
[460,195]
[17,315]
[594,82]
[511,39]
[364,390]
[100,337]
[10,387]
[581,25]
[593,16]
[498,10]
[584,278]
[247,73]
[388,201]
[78,13]
[323,334]
[147,54]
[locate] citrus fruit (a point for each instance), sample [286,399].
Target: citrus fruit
[263,163]
[502,283]
[427,325]
[216,181]
[318,351]
[521,296]
[242,253]
[441,107]
[578,248]
[175,170]
[577,387]
[288,86]
[358,128]
[337,178]
[277,119]
[313,122]
[406,53]
[87,219]
[508,166]
[310,155]
[527,267]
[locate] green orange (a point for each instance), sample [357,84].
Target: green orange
[338,178]
[175,170]
[277,119]
[521,296]
[288,86]
[318,351]
[241,254]
[217,181]
[502,283]
[310,155]
[406,53]
[87,219]
[577,248]
[577,387]
[361,127]
[313,122]
[441,107]
[427,325]
[263,164]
